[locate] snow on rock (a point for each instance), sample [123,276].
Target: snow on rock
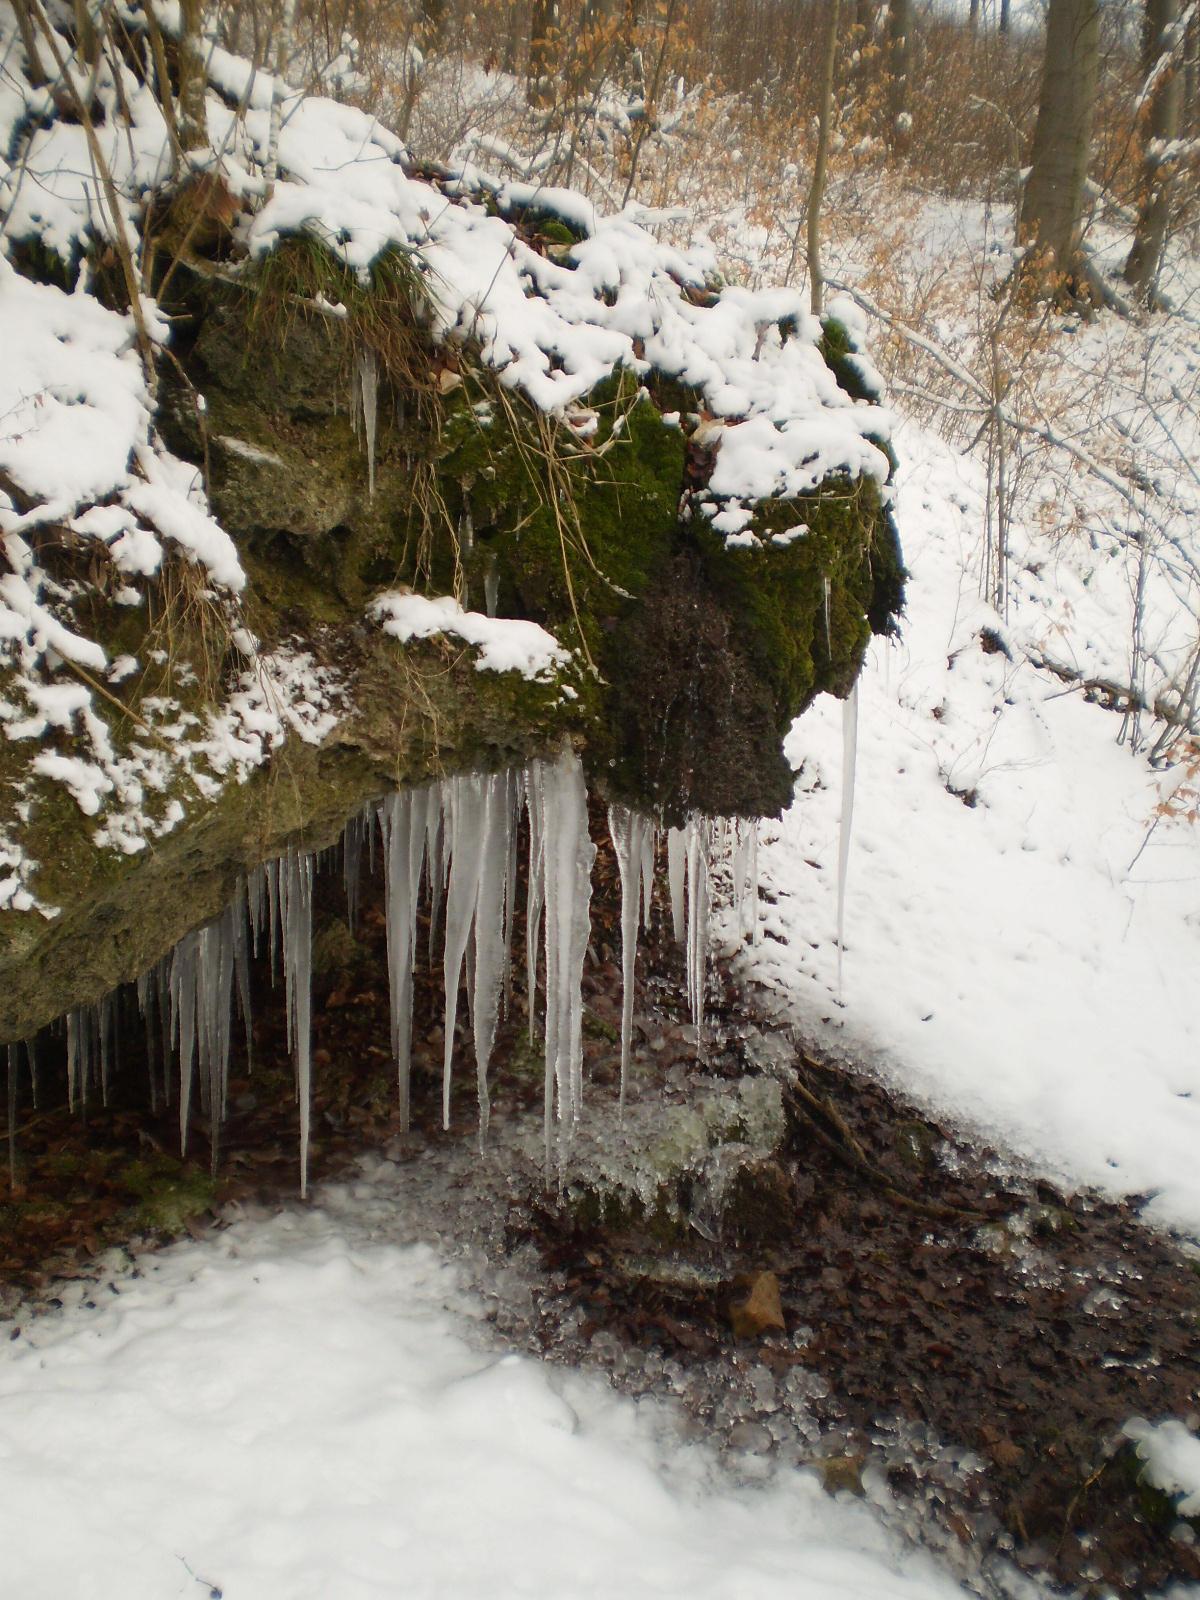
[505,644]
[76,429]
[1172,1457]
[1022,939]
[557,329]
[298,1409]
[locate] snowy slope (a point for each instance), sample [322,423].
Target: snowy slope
[293,1411]
[1028,964]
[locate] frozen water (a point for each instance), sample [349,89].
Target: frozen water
[849,759]
[404,821]
[633,842]
[699,831]
[466,805]
[295,876]
[568,854]
[677,878]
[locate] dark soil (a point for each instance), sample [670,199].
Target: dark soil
[938,1292]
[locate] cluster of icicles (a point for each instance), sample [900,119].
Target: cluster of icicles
[452,846]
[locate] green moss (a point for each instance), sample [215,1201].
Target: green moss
[168,1193]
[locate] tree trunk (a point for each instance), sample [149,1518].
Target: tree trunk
[1062,139]
[193,120]
[37,72]
[1004,16]
[1159,122]
[816,278]
[544,33]
[900,22]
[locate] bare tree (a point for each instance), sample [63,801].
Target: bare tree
[544,38]
[193,120]
[816,278]
[900,29]
[1161,98]
[1062,140]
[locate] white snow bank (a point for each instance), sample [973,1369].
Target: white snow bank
[286,1413]
[75,429]
[505,644]
[1027,964]
[1172,1457]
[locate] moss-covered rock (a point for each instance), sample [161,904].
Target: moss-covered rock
[691,657]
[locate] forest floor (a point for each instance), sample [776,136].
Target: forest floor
[953,1339]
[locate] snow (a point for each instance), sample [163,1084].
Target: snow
[295,1409]
[505,644]
[1025,965]
[1172,1457]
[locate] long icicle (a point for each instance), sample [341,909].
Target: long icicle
[464,831]
[849,762]
[631,834]
[296,906]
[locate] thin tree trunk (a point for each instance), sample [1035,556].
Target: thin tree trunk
[193,119]
[544,35]
[650,109]
[1004,16]
[1062,139]
[1160,122]
[816,279]
[37,72]
[900,21]
[278,89]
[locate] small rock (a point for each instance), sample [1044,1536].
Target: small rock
[842,1472]
[760,1311]
[1005,1453]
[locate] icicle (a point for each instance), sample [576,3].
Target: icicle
[256,901]
[698,841]
[352,844]
[513,797]
[535,894]
[107,1016]
[403,819]
[31,1050]
[435,867]
[295,882]
[568,854]
[489,930]
[185,978]
[13,1067]
[464,827]
[74,1054]
[145,1000]
[849,761]
[162,984]
[274,913]
[631,834]
[491,586]
[828,634]
[677,876]
[649,852]
[241,962]
[368,378]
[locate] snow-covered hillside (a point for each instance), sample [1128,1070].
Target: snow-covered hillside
[1022,925]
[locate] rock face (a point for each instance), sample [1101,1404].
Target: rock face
[690,657]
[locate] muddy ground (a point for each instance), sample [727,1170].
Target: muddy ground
[949,1332]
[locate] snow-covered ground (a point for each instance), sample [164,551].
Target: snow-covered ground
[299,1408]
[1027,965]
